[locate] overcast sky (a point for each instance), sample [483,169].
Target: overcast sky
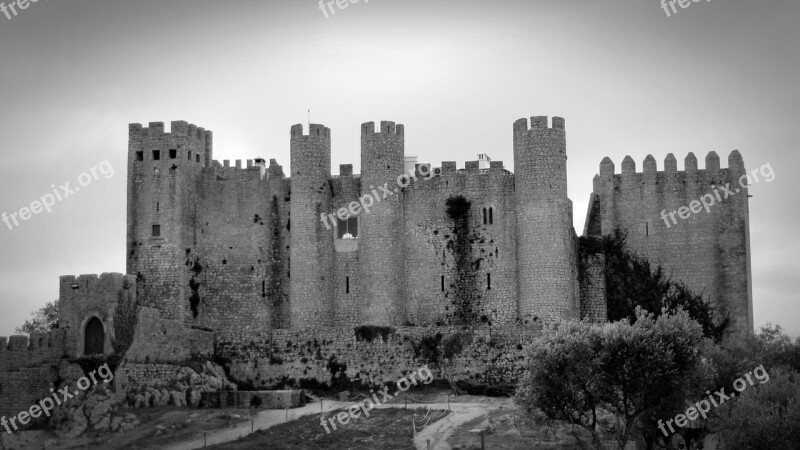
[628,79]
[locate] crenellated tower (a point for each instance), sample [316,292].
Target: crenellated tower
[311,244]
[164,171]
[546,257]
[685,221]
[381,251]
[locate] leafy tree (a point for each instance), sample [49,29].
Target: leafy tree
[631,282]
[639,371]
[43,320]
[763,416]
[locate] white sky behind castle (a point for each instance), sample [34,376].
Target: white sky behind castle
[627,79]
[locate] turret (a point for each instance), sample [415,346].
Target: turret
[545,240]
[311,243]
[381,252]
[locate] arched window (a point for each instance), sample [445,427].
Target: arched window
[491,219]
[484,216]
[94,338]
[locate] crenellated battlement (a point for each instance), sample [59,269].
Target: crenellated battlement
[537,123]
[155,130]
[315,130]
[71,286]
[224,171]
[25,351]
[650,166]
[386,127]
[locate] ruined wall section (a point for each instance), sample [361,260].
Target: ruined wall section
[708,250]
[164,171]
[436,286]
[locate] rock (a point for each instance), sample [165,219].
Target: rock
[116,423]
[99,412]
[194,397]
[103,424]
[74,425]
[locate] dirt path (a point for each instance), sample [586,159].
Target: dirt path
[437,432]
[262,421]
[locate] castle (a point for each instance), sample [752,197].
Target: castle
[239,261]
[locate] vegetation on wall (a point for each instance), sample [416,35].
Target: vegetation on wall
[125,319]
[465,308]
[631,282]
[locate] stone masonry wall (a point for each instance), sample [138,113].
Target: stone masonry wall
[495,355]
[24,387]
[709,251]
[487,282]
[165,341]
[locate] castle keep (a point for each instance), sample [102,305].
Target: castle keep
[242,262]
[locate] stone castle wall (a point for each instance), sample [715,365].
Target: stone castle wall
[493,355]
[709,251]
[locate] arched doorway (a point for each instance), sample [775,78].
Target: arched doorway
[94,338]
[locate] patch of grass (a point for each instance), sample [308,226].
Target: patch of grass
[384,429]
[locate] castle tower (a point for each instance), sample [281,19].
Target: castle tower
[545,241]
[311,244]
[381,254]
[163,175]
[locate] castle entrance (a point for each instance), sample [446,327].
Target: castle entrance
[94,338]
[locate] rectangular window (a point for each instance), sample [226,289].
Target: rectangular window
[189,155]
[347,229]
[442,283]
[156,230]
[647,228]
[488,282]
[140,156]
[197,157]
[347,285]
[173,154]
[156,155]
